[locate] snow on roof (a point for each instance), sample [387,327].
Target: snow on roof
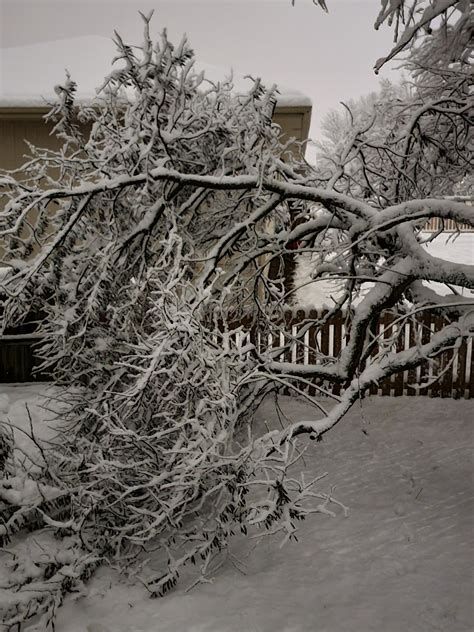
[28,74]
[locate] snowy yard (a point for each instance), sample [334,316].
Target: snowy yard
[401,561]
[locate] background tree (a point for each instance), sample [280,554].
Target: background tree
[410,140]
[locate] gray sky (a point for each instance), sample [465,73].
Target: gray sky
[329,57]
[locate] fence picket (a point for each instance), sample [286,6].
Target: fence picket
[385,323]
[312,347]
[426,366]
[470,367]
[300,345]
[436,324]
[413,326]
[337,345]
[459,382]
[398,378]
[447,225]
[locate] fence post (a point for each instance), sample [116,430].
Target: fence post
[459,382]
[337,344]
[385,322]
[471,373]
[312,347]
[398,378]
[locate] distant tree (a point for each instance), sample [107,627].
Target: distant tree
[409,140]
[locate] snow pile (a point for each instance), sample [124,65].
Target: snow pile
[321,292]
[23,491]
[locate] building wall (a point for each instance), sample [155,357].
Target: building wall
[294,122]
[18,124]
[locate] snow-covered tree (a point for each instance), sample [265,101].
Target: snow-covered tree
[393,161]
[409,140]
[146,245]
[412,20]
[122,244]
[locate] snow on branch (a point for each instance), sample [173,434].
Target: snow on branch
[414,21]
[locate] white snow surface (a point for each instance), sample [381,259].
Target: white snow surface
[401,560]
[321,292]
[28,74]
[19,403]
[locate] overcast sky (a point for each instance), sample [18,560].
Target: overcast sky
[329,57]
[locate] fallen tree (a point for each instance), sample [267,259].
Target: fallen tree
[155,448]
[141,243]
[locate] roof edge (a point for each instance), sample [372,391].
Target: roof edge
[10,109]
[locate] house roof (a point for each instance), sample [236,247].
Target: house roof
[28,74]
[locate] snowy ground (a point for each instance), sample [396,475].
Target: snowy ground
[459,249]
[401,561]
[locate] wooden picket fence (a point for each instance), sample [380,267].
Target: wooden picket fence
[455,367]
[447,225]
